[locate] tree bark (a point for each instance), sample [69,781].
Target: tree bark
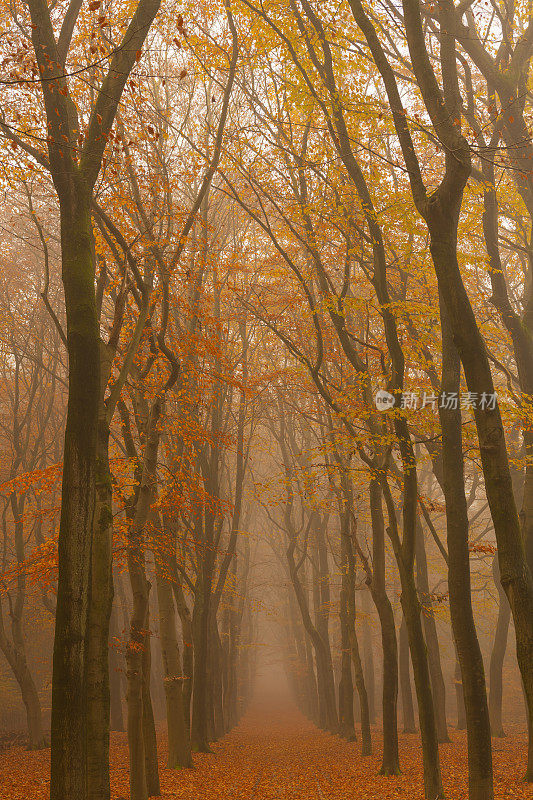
[148,722]
[141,740]
[408,710]
[459,696]
[432,639]
[497,657]
[322,597]
[99,611]
[179,748]
[69,723]
[347,622]
[391,761]
[364,712]
[115,684]
[368,653]
[480,779]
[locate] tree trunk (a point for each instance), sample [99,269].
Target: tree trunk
[148,723]
[366,735]
[408,710]
[101,601]
[346,698]
[69,724]
[432,639]
[322,602]
[216,681]
[350,643]
[205,535]
[311,679]
[134,661]
[426,714]
[391,761]
[179,748]
[368,651]
[141,740]
[200,624]
[30,698]
[480,780]
[459,697]
[325,679]
[115,683]
[187,635]
[497,657]
[515,574]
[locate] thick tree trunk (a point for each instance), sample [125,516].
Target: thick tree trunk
[101,601]
[515,574]
[69,724]
[200,625]
[480,779]
[408,710]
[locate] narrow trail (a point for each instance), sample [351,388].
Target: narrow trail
[274,753]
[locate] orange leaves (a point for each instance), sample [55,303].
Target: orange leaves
[482,547]
[39,480]
[276,753]
[40,568]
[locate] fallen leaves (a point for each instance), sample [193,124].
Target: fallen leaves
[276,754]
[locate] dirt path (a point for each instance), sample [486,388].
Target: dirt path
[276,754]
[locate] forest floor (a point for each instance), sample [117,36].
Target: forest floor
[276,754]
